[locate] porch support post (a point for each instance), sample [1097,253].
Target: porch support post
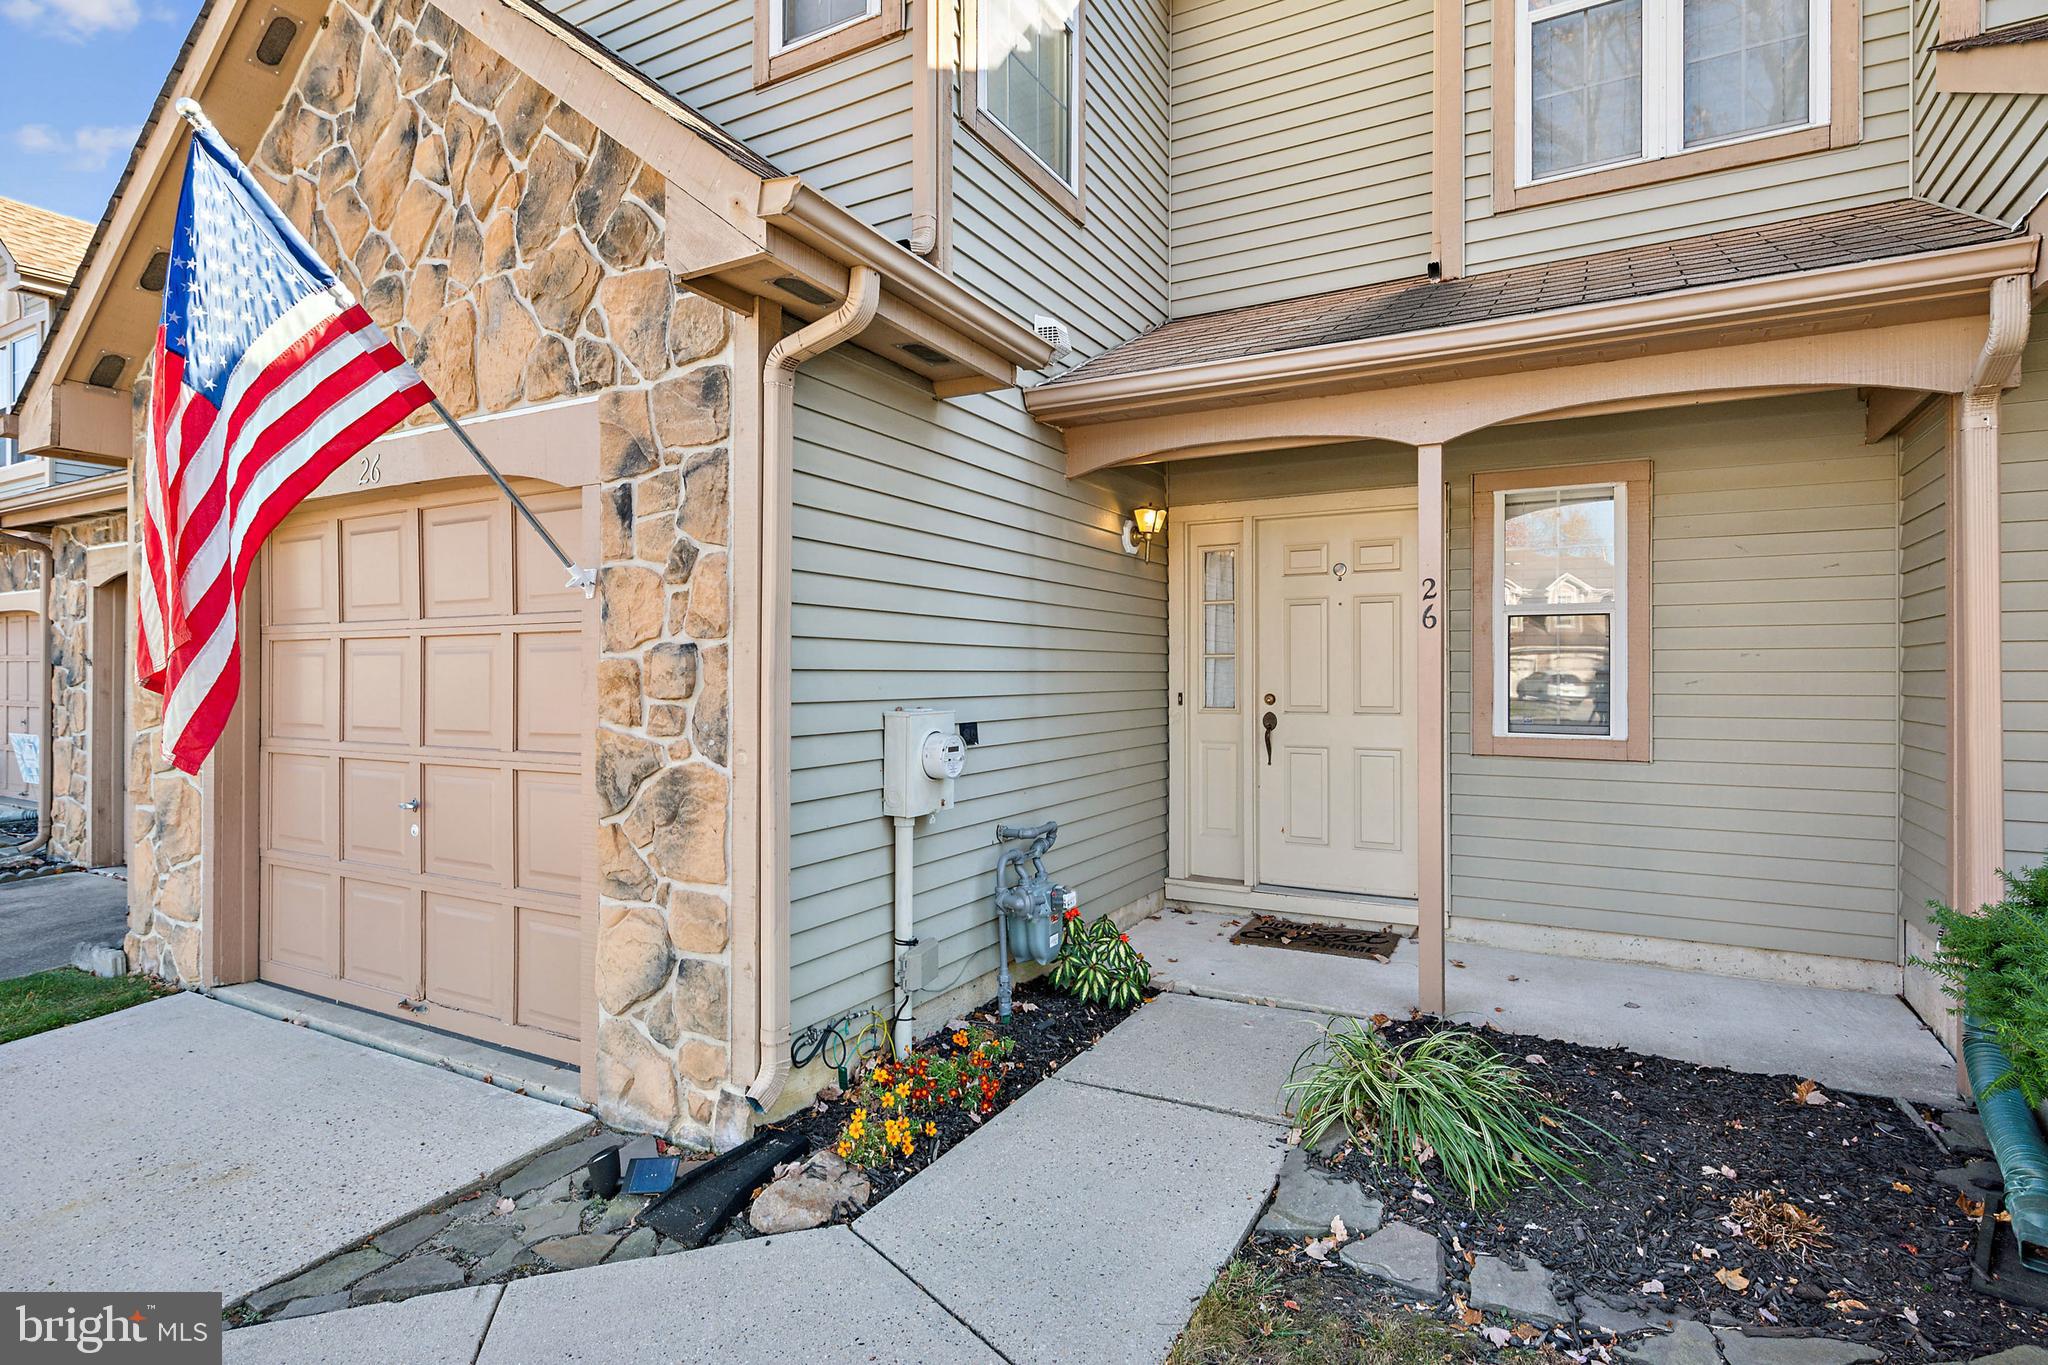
[1976,767]
[1429,706]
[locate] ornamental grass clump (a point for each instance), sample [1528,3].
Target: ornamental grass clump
[894,1103]
[1098,966]
[1446,1097]
[1996,965]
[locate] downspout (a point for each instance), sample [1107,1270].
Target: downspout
[931,150]
[1976,687]
[778,424]
[44,788]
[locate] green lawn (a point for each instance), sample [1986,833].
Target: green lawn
[46,1000]
[1245,1319]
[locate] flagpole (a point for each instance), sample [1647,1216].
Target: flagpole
[579,577]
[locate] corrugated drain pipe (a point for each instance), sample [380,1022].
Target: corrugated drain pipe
[2015,1136]
[21,540]
[778,423]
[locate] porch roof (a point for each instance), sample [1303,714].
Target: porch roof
[1899,227]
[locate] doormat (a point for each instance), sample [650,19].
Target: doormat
[1340,940]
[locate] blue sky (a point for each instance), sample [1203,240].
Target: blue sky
[81,75]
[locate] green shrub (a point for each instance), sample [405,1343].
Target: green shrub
[1098,966]
[1996,965]
[1446,1097]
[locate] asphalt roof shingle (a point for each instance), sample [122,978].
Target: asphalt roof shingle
[1900,227]
[43,243]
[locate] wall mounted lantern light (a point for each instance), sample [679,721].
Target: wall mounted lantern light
[1141,527]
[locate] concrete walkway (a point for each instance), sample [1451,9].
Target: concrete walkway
[189,1145]
[1080,1226]
[1852,1041]
[44,918]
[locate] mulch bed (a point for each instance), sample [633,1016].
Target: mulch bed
[1689,1139]
[1048,1030]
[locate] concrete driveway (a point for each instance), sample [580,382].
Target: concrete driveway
[190,1145]
[44,918]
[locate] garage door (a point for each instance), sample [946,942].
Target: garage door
[21,690]
[424,798]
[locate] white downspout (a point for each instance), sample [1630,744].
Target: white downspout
[778,423]
[46,722]
[902,1020]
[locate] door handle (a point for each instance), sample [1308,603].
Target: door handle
[413,804]
[1269,720]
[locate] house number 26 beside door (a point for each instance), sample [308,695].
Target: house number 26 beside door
[1429,604]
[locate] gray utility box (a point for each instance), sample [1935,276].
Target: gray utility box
[1034,906]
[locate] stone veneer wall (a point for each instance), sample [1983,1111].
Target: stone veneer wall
[514,251]
[71,681]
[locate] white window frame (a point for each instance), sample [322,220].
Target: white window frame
[1615,609]
[985,64]
[1663,133]
[778,43]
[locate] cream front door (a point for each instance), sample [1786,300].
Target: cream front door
[1333,718]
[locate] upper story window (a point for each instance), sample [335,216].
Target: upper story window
[17,354]
[800,21]
[793,36]
[1560,614]
[1597,95]
[1024,90]
[1605,82]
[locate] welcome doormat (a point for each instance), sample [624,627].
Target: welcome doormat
[1340,940]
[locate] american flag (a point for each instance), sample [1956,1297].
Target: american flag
[269,377]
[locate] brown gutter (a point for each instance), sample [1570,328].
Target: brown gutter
[1843,292]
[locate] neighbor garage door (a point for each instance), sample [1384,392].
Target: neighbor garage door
[21,679]
[424,725]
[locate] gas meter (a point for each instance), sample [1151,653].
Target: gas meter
[1030,905]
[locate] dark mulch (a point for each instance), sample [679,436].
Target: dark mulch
[1049,1030]
[1900,1240]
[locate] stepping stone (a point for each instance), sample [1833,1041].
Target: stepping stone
[573,1253]
[1963,1133]
[1603,1316]
[618,1213]
[1690,1343]
[1738,1349]
[326,1278]
[1973,1179]
[550,1220]
[546,1194]
[2017,1355]
[414,1275]
[506,1258]
[549,1167]
[1309,1196]
[1406,1257]
[408,1236]
[638,1243]
[476,1240]
[299,1308]
[1524,1294]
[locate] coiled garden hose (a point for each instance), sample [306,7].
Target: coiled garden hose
[2015,1136]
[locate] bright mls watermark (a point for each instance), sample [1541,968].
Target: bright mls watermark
[167,1329]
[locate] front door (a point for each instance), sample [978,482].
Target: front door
[1334,743]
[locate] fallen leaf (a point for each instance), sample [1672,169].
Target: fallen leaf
[1496,1336]
[1337,1228]
[1910,1316]
[1526,1332]
[1973,1207]
[1652,1287]
[1902,1187]
[1809,1092]
[1456,963]
[1467,1314]
[1290,1305]
[1381,1021]
[505,1206]
[1535,1059]
[1848,1305]
[1732,1278]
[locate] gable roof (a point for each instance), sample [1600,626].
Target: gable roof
[46,247]
[1900,227]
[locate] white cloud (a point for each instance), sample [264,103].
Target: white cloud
[75,18]
[83,149]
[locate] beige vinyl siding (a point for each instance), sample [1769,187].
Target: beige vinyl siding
[1923,663]
[1768,815]
[1980,153]
[844,127]
[1300,148]
[1105,277]
[2023,459]
[942,559]
[1875,169]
